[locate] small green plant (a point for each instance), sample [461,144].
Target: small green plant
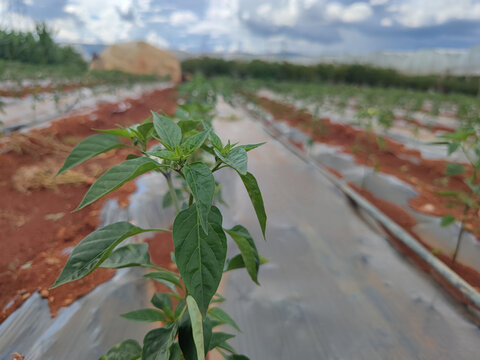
[371,116]
[318,125]
[467,141]
[191,151]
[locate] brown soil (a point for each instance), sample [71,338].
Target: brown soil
[24,91]
[407,222]
[38,227]
[433,128]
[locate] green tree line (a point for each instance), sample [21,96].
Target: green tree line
[37,47]
[335,73]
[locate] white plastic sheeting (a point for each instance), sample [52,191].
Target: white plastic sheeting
[334,288]
[38,110]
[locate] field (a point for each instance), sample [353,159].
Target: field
[414,155]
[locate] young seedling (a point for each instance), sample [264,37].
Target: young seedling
[465,140]
[193,154]
[318,125]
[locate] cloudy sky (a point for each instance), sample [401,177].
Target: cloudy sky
[309,27]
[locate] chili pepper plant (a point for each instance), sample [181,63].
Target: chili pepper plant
[185,147]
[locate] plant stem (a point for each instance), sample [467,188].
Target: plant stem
[173,194]
[217,166]
[459,237]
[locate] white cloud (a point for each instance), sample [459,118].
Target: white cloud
[378,2]
[220,19]
[414,14]
[66,30]
[158,19]
[180,18]
[286,16]
[280,15]
[264,9]
[101,19]
[354,13]
[155,39]
[386,22]
[309,3]
[245,15]
[15,21]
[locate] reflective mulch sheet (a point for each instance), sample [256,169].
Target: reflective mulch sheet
[334,288]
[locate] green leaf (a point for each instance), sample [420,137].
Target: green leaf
[221,315]
[185,337]
[218,339]
[218,298]
[169,132]
[215,141]
[126,350]
[163,302]
[249,147]
[447,220]
[122,132]
[115,177]
[237,158]
[202,184]
[94,249]
[257,201]
[179,308]
[175,352]
[197,326]
[225,346]
[89,148]
[127,256]
[454,169]
[146,130]
[165,154]
[247,248]
[474,187]
[164,276]
[189,125]
[200,257]
[132,156]
[157,344]
[237,357]
[194,142]
[452,148]
[147,315]
[237,262]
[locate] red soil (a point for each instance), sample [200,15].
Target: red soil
[24,91]
[35,217]
[433,128]
[407,222]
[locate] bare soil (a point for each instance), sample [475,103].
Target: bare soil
[24,91]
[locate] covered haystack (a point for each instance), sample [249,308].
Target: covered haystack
[138,58]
